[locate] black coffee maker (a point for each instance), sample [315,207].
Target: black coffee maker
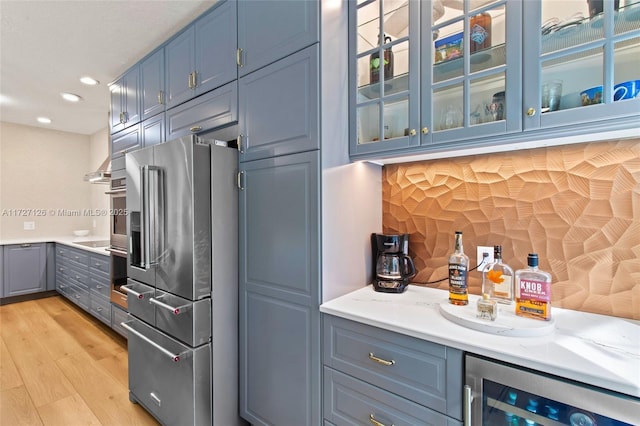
[392,266]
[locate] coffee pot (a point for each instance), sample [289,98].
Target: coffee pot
[392,265]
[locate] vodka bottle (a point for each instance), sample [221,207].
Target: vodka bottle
[458,273]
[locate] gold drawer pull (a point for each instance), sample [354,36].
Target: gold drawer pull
[374,421]
[380,360]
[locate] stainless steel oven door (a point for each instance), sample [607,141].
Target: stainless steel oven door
[118,213]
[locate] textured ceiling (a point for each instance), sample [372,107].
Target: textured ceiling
[46,46]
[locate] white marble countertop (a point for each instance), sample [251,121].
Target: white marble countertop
[70,241]
[595,349]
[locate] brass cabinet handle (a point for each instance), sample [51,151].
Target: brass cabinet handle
[160,97]
[412,132]
[190,84]
[380,360]
[239,141]
[195,79]
[425,130]
[240,180]
[239,57]
[195,129]
[374,421]
[531,112]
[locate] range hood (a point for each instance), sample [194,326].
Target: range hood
[102,175]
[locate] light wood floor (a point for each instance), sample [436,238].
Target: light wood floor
[60,366]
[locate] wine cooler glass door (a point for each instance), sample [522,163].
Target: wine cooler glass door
[510,395]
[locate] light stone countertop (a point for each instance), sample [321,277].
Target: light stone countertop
[595,349]
[70,241]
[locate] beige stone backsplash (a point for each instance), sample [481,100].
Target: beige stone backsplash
[577,206]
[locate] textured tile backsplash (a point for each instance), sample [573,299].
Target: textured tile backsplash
[577,206]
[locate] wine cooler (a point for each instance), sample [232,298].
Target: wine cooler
[502,394]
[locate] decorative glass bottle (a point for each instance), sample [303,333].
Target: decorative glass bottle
[497,279]
[458,274]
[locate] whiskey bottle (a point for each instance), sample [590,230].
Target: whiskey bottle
[533,291]
[497,279]
[458,273]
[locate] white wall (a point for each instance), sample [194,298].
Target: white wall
[41,175]
[349,190]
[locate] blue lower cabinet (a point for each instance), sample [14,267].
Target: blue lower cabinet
[24,269]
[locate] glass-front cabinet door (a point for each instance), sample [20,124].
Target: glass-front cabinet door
[384,74]
[582,62]
[471,63]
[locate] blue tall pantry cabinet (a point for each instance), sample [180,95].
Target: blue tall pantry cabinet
[279,223]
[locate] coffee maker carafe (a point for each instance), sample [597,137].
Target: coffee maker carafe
[392,266]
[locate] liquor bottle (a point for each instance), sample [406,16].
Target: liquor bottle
[458,273]
[374,62]
[480,32]
[497,279]
[533,291]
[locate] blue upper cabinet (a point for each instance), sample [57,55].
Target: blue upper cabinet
[279,107]
[125,100]
[443,76]
[271,30]
[152,84]
[202,57]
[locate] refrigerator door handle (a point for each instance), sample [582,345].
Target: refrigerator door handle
[156,212]
[176,310]
[174,357]
[144,216]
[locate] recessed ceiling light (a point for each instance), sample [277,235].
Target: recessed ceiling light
[89,81]
[44,120]
[70,97]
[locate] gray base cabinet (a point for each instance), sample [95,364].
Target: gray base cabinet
[374,375]
[280,291]
[83,278]
[25,269]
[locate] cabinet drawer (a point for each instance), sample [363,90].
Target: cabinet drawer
[213,109]
[99,265]
[423,372]
[68,254]
[99,286]
[118,316]
[79,296]
[348,401]
[78,276]
[100,308]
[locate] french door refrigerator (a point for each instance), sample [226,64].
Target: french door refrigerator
[182,287]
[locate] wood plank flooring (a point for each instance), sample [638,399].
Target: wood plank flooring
[61,366]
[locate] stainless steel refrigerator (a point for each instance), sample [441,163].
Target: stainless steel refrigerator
[182,287]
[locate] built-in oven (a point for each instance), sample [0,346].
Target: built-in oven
[118,219]
[118,237]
